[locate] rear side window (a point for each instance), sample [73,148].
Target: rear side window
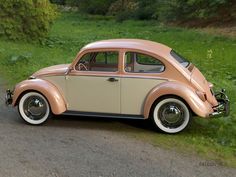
[183,61]
[142,63]
[143,59]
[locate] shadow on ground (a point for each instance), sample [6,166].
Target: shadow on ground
[101,123]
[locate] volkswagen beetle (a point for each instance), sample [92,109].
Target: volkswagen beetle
[121,78]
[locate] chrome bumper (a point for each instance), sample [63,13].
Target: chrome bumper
[8,97]
[223,107]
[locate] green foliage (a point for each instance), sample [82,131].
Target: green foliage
[25,19]
[123,9]
[171,10]
[178,10]
[146,9]
[99,7]
[122,16]
[133,9]
[223,10]
[60,2]
[14,59]
[121,6]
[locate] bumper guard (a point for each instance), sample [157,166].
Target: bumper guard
[223,107]
[8,97]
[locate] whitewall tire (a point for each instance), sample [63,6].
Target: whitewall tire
[171,115]
[34,108]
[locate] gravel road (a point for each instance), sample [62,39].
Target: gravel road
[77,146]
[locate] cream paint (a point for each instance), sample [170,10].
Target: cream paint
[96,94]
[59,82]
[134,92]
[93,94]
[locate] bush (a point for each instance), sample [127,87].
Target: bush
[25,19]
[60,2]
[146,9]
[120,6]
[72,2]
[145,13]
[123,9]
[99,7]
[135,9]
[205,10]
[122,16]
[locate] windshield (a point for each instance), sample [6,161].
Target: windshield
[183,61]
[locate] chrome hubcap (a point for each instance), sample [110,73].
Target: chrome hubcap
[171,115]
[35,107]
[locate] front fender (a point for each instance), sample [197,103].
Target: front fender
[200,108]
[54,97]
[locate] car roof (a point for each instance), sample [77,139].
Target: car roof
[135,44]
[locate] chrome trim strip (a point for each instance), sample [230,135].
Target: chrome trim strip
[116,76]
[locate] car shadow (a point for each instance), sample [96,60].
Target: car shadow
[100,123]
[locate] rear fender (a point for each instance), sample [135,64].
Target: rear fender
[200,108]
[54,97]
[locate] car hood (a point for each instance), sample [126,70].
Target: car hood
[52,70]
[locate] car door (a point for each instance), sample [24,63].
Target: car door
[94,84]
[141,74]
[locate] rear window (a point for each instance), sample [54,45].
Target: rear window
[183,61]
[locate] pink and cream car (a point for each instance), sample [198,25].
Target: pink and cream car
[121,78]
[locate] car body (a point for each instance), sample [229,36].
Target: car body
[124,78]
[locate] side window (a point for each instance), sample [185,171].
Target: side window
[142,63]
[146,60]
[99,61]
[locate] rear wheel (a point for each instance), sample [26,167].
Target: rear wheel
[171,115]
[34,108]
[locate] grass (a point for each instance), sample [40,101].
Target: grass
[214,55]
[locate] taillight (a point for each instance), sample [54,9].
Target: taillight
[202,95]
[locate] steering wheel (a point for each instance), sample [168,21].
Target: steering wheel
[82,66]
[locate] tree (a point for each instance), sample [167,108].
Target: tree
[25,19]
[205,10]
[99,7]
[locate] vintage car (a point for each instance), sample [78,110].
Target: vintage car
[121,78]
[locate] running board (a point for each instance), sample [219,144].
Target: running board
[104,115]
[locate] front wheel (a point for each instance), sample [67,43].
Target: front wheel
[34,108]
[171,115]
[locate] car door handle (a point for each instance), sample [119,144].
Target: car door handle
[112,79]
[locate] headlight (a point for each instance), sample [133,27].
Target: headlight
[32,77]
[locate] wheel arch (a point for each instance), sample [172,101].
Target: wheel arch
[48,90]
[169,96]
[25,92]
[178,90]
